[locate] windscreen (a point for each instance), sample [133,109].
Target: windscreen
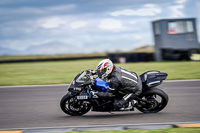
[82,78]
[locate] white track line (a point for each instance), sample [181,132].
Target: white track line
[93,126]
[52,85]
[171,81]
[24,86]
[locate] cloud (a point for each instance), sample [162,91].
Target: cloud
[149,5]
[53,22]
[78,24]
[67,7]
[110,24]
[53,47]
[176,11]
[178,8]
[180,1]
[146,10]
[59,21]
[29,12]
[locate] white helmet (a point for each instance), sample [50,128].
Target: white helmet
[104,68]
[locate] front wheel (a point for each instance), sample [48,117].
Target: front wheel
[156,101]
[71,106]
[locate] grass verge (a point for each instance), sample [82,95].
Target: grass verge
[7,58]
[170,130]
[62,72]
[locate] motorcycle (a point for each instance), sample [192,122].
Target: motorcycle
[79,99]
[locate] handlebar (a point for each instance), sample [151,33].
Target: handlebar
[90,73]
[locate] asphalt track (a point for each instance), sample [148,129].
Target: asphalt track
[38,106]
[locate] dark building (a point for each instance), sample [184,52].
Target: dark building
[175,39]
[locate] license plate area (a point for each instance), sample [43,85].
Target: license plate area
[82,97]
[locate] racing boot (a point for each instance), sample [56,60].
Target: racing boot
[118,104]
[126,103]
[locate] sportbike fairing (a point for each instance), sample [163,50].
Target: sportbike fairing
[79,99]
[81,78]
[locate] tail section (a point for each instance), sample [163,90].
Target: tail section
[152,78]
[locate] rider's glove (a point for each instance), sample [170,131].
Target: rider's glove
[94,72]
[94,94]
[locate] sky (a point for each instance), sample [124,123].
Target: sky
[48,27]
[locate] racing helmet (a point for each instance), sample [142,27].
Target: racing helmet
[104,68]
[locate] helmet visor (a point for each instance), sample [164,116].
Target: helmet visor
[101,72]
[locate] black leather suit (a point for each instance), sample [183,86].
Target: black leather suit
[124,81]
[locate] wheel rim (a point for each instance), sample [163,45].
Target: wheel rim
[155,101]
[75,106]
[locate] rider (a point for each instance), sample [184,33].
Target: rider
[120,80]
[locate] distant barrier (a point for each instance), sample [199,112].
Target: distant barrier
[195,57]
[115,57]
[51,59]
[131,57]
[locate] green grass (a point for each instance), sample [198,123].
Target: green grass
[170,130]
[64,71]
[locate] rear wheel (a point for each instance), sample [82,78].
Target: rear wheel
[71,106]
[156,101]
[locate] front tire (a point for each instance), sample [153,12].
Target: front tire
[158,99]
[71,106]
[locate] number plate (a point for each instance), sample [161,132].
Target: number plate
[82,97]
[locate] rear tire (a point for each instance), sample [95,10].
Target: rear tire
[71,106]
[157,104]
